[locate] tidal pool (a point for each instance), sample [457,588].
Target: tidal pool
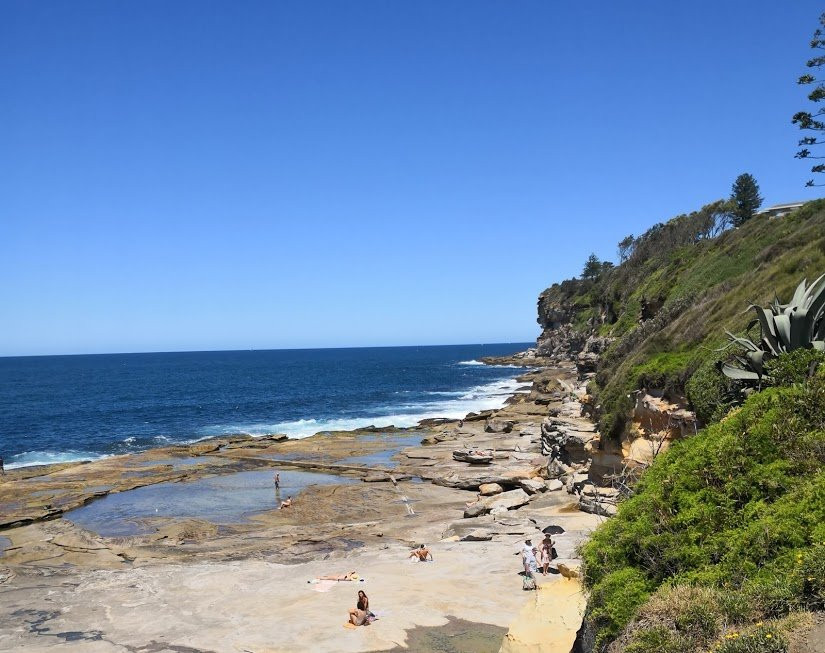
[226,499]
[5,543]
[384,458]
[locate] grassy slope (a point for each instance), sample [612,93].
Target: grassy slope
[737,511]
[705,288]
[724,541]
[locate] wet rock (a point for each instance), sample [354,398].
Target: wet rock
[376,478]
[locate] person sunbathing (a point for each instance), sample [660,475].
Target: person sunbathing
[350,576]
[421,553]
[287,503]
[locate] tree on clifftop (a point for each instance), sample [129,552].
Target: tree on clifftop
[592,268]
[745,198]
[625,248]
[813,120]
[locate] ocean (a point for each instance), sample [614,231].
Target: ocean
[62,408]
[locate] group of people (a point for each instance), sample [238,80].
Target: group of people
[532,557]
[360,615]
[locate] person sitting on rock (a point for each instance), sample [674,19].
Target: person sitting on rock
[421,553]
[287,503]
[359,614]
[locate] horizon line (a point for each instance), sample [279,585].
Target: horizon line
[215,351]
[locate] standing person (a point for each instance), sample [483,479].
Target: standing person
[277,481]
[546,553]
[358,615]
[528,559]
[2,467]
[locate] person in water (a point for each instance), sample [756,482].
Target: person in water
[287,503]
[277,481]
[421,553]
[358,615]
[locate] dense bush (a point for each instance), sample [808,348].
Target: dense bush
[794,367]
[711,393]
[740,507]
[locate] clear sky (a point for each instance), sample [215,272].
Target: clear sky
[230,175]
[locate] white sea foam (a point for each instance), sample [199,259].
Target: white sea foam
[482,397]
[472,362]
[29,458]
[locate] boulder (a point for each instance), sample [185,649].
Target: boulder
[576,482]
[495,425]
[488,489]
[475,509]
[498,511]
[508,500]
[505,501]
[532,485]
[569,568]
[554,484]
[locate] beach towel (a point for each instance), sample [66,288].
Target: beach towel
[324,585]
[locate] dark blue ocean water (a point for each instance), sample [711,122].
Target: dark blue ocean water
[55,408]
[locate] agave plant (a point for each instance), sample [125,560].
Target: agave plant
[799,324]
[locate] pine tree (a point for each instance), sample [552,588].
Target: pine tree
[813,120]
[592,268]
[745,198]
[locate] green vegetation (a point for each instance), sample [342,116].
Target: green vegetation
[807,120]
[799,324]
[725,535]
[684,283]
[745,199]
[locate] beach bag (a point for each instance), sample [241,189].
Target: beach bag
[553,553]
[528,583]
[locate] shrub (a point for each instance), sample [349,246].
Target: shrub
[764,639]
[711,393]
[738,507]
[794,367]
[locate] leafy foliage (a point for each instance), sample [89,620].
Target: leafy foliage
[677,293]
[738,509]
[799,324]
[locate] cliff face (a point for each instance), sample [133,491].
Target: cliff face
[651,326]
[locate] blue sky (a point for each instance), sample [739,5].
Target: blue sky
[221,175]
